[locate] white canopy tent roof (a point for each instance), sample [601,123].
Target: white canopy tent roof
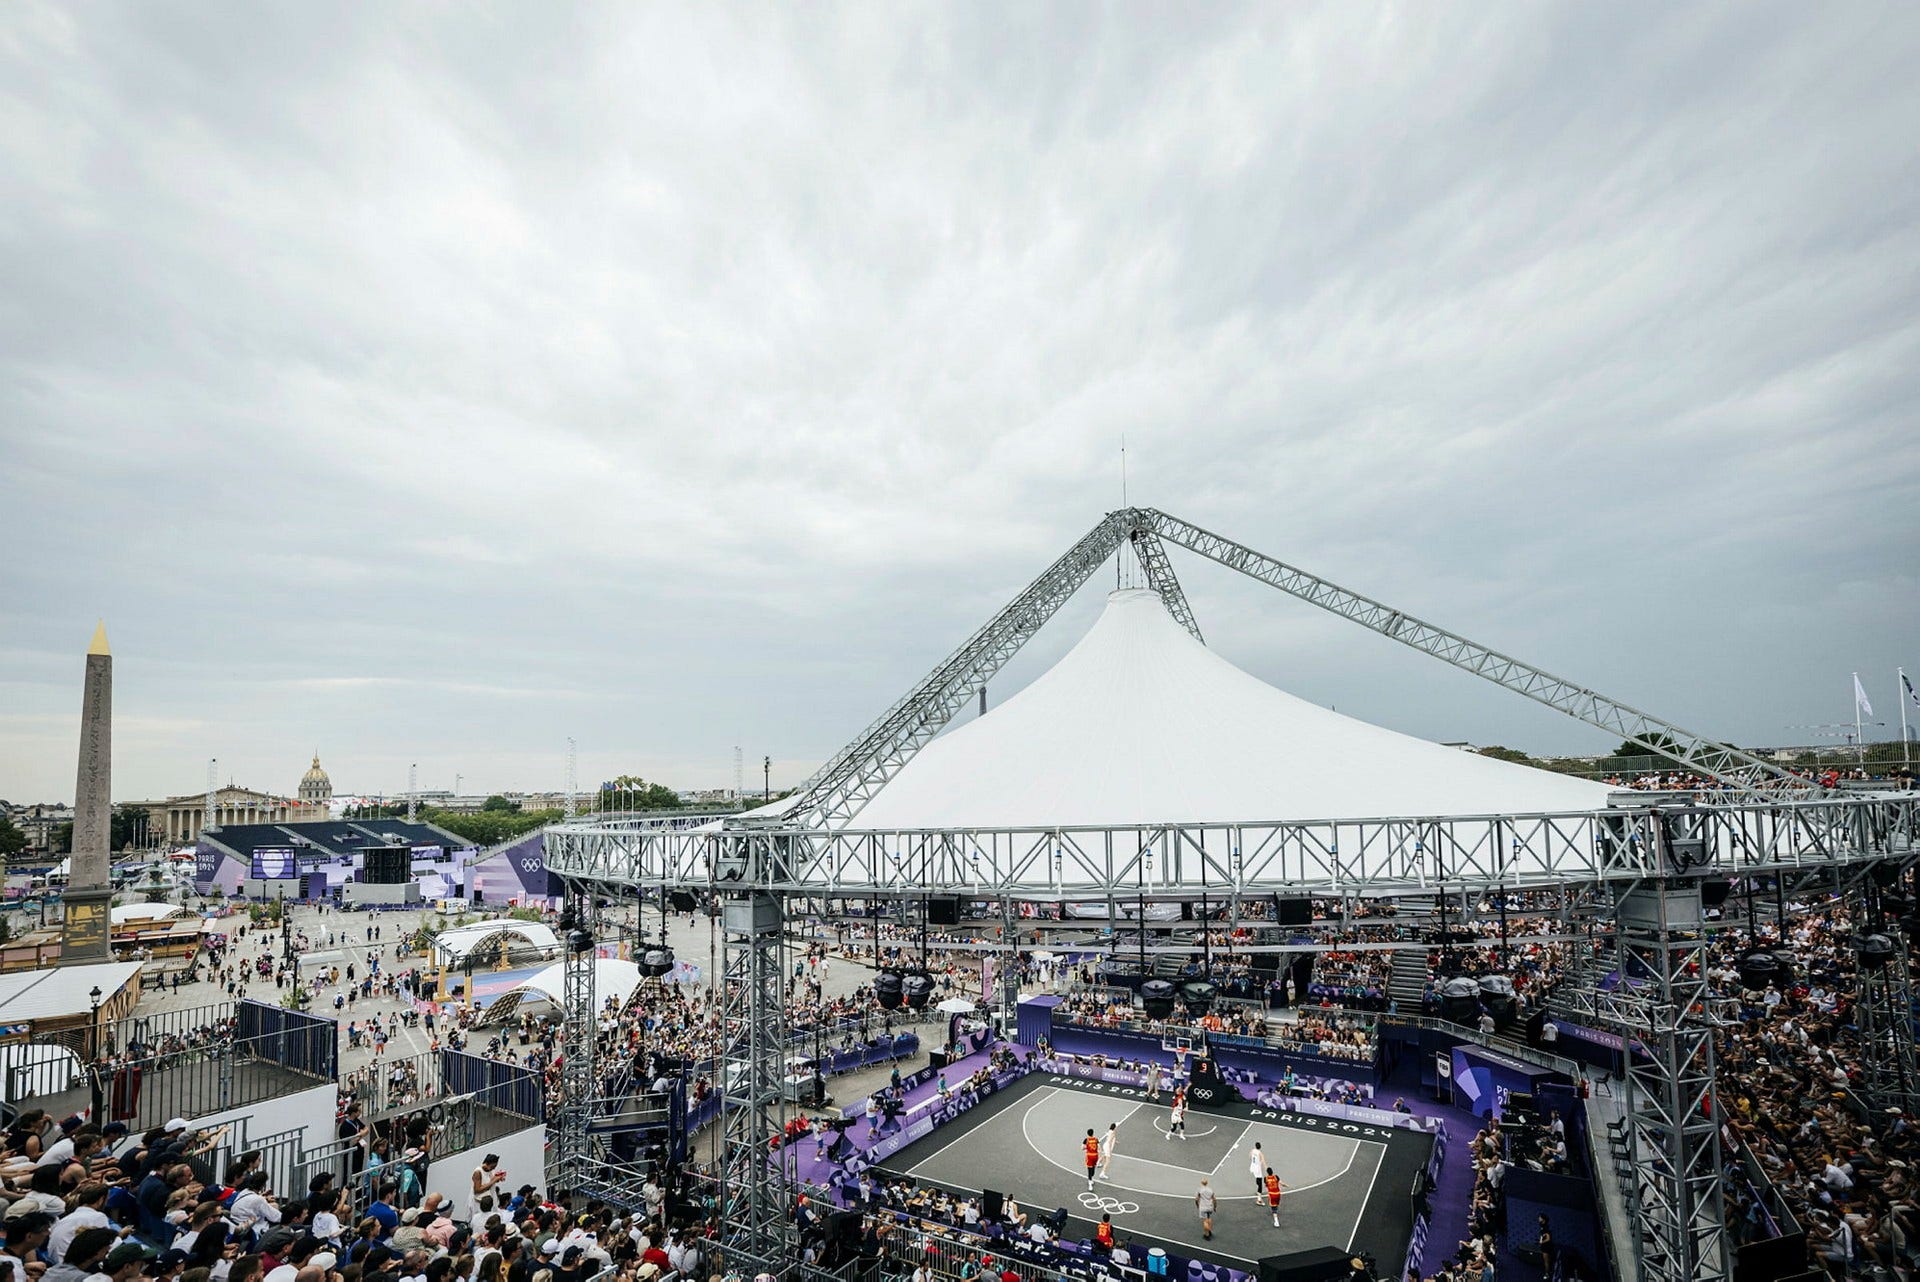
[126,913]
[612,977]
[454,944]
[1140,723]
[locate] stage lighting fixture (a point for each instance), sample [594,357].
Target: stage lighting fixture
[1875,951]
[886,989]
[1198,995]
[1156,995]
[656,962]
[916,987]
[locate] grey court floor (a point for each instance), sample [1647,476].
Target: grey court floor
[1338,1183]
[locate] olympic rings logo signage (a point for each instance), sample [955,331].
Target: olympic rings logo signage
[1108,1205]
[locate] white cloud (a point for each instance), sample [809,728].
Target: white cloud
[687,376]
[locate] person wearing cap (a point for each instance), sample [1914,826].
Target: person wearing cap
[408,1237]
[127,1261]
[166,1266]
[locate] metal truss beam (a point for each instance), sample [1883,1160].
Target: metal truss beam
[1697,752]
[838,790]
[1368,857]
[1160,577]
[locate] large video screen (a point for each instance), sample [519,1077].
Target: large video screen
[274,864]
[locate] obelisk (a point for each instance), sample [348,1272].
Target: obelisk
[85,938]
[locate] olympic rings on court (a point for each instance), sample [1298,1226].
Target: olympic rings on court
[1110,1205]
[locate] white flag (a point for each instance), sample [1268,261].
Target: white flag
[1860,697]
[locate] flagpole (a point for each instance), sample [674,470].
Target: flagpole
[1859,744]
[1906,753]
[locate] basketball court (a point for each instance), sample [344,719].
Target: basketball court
[1348,1185]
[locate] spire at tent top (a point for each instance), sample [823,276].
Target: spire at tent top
[99,645]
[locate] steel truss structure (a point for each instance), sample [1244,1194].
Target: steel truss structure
[754,1198]
[1642,862]
[1673,1117]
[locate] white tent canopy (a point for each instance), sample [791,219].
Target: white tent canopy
[612,978]
[128,913]
[453,945]
[1140,724]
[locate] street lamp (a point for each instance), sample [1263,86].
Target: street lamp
[766,779]
[93,1078]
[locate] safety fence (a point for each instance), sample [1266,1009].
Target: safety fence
[212,1059]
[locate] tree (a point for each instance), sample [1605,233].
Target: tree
[1663,746]
[634,793]
[491,827]
[12,840]
[1514,755]
[498,802]
[61,839]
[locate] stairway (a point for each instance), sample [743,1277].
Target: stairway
[1407,984]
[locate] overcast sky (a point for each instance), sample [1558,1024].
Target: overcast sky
[430,384]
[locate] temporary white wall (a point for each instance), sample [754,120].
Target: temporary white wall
[313,1112]
[523,1156]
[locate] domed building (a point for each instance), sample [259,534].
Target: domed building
[316,793]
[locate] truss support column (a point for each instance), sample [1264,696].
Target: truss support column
[1883,1004]
[754,1192]
[1663,1007]
[1009,971]
[579,1039]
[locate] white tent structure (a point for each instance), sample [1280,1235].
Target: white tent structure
[133,914]
[453,945]
[1140,724]
[612,978]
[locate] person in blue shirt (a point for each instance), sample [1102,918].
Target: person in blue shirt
[382,1209]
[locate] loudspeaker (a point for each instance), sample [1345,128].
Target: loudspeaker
[387,866]
[682,901]
[1714,891]
[1321,1264]
[1292,912]
[943,910]
[993,1205]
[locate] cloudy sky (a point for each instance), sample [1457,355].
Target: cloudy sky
[428,384]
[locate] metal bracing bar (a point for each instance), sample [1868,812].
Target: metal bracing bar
[1160,577]
[1697,752]
[838,790]
[754,1184]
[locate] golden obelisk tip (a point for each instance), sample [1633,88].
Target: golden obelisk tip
[99,645]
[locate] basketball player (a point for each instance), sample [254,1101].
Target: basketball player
[1177,1119]
[1092,1145]
[1257,1167]
[1273,1187]
[1107,1142]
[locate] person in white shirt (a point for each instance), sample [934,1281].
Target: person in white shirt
[58,1153]
[1257,1167]
[89,1202]
[253,1209]
[1107,1143]
[483,1197]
